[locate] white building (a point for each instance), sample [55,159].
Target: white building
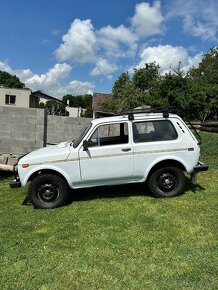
[18,98]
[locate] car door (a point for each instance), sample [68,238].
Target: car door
[153,140]
[109,157]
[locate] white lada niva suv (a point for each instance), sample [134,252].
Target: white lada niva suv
[156,148]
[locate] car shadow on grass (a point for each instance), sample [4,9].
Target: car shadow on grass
[192,187]
[122,191]
[113,191]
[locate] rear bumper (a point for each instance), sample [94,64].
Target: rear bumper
[198,168]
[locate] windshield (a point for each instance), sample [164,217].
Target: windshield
[79,139]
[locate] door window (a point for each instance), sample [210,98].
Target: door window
[110,134]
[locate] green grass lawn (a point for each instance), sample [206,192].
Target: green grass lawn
[114,237]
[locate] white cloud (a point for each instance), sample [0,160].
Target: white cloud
[5,67]
[192,61]
[52,82]
[147,20]
[168,57]
[84,44]
[76,88]
[115,39]
[206,31]
[199,17]
[24,74]
[103,67]
[48,80]
[79,43]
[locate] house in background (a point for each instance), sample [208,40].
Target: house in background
[18,98]
[97,101]
[43,98]
[75,111]
[24,98]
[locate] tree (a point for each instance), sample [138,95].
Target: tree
[207,71]
[129,93]
[54,108]
[145,78]
[172,89]
[10,81]
[125,101]
[83,101]
[205,78]
[120,85]
[195,93]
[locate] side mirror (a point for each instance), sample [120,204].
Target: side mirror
[85,145]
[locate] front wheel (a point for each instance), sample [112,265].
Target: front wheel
[48,191]
[167,182]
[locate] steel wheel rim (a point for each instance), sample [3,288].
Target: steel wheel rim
[48,193]
[167,181]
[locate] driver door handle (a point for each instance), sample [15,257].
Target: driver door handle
[126,149]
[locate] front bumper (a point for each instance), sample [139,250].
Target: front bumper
[16,182]
[198,168]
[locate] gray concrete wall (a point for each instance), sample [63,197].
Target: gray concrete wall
[22,129]
[65,128]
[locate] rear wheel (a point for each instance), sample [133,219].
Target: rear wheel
[167,182]
[48,191]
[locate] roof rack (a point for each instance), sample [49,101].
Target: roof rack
[164,111]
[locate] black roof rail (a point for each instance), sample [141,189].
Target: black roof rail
[164,111]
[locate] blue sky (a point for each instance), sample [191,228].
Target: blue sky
[80,46]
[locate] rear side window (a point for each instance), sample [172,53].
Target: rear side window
[153,131]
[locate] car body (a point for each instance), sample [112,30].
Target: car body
[128,148]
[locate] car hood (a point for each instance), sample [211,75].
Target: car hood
[47,154]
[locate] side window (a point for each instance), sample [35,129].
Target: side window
[153,131]
[110,134]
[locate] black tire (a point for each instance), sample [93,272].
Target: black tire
[167,182]
[48,191]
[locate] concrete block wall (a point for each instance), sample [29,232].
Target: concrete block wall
[62,129]
[22,129]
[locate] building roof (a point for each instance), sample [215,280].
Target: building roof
[8,88]
[98,99]
[40,94]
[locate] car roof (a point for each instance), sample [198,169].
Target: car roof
[137,117]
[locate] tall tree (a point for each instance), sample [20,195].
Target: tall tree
[205,77]
[130,93]
[145,78]
[207,71]
[10,81]
[120,85]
